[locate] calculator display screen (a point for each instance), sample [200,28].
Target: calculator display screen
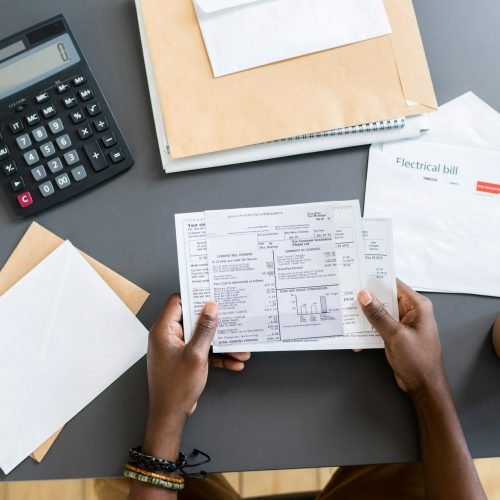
[30,67]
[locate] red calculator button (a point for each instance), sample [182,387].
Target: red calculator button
[25,199]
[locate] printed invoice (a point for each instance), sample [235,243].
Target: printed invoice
[285,278]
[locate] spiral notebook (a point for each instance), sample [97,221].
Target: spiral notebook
[363,134]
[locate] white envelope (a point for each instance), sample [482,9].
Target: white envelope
[65,336]
[244,34]
[439,233]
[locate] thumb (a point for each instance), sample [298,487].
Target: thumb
[377,315]
[205,329]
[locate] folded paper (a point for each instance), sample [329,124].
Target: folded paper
[244,34]
[38,243]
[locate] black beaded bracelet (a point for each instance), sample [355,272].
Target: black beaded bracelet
[153,463]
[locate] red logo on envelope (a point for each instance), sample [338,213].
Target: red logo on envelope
[488,187]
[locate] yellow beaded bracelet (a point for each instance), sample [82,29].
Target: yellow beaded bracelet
[145,472]
[168,485]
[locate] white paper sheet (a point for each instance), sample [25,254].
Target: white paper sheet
[244,34]
[443,200]
[376,272]
[65,336]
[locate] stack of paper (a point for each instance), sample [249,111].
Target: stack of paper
[442,192]
[61,327]
[286,277]
[317,75]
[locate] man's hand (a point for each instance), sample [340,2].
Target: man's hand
[412,344]
[414,352]
[177,373]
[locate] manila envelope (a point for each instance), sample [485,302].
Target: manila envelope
[35,245]
[378,79]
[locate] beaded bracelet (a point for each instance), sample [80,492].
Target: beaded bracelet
[134,468]
[168,485]
[152,463]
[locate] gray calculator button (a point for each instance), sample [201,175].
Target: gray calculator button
[47,149]
[23,141]
[64,142]
[31,157]
[55,165]
[56,126]
[46,189]
[63,181]
[39,134]
[71,157]
[79,173]
[38,173]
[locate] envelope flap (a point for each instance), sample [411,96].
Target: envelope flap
[25,336]
[409,53]
[210,6]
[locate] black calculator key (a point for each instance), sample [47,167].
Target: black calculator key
[17,184]
[108,140]
[85,132]
[63,87]
[9,168]
[49,111]
[63,181]
[95,155]
[79,173]
[16,126]
[23,141]
[77,116]
[56,126]
[46,189]
[63,142]
[93,109]
[42,97]
[79,80]
[86,94]
[71,157]
[70,101]
[39,134]
[4,152]
[32,119]
[55,165]
[38,173]
[116,155]
[101,125]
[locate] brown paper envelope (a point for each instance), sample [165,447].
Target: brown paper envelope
[360,83]
[35,245]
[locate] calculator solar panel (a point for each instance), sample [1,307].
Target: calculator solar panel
[58,137]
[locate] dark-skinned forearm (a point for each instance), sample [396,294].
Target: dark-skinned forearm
[162,439]
[448,468]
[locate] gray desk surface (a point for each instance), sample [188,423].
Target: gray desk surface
[288,409]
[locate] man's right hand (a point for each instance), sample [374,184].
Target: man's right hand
[411,344]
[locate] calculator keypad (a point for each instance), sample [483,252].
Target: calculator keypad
[16,127]
[49,111]
[56,126]
[17,184]
[68,141]
[40,134]
[32,119]
[23,141]
[31,157]
[46,189]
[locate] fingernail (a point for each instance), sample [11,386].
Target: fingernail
[211,308]
[365,297]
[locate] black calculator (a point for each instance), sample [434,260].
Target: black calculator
[58,137]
